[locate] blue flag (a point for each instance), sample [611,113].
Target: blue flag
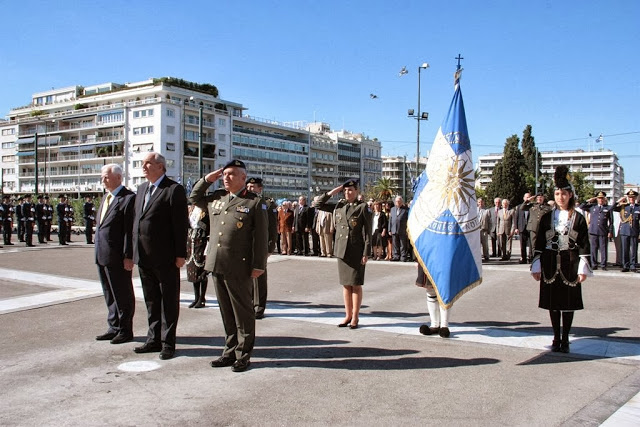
[443,221]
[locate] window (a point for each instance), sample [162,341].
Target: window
[138,148]
[143,113]
[222,137]
[222,122]
[171,130]
[8,144]
[171,112]
[222,152]
[143,130]
[171,146]
[137,164]
[9,158]
[9,171]
[6,132]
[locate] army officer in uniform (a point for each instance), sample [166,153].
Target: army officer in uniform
[352,245]
[600,227]
[237,255]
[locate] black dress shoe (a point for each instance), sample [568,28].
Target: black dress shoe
[106,337]
[625,270]
[426,330]
[222,361]
[240,365]
[122,338]
[444,332]
[595,267]
[167,353]
[148,347]
[193,304]
[555,346]
[564,347]
[604,268]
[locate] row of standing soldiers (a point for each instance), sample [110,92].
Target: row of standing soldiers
[29,214]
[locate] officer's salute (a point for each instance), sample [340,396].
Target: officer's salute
[629,229]
[238,250]
[600,227]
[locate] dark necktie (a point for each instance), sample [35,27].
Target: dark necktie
[147,196]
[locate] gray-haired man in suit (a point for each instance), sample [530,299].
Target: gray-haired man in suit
[114,254]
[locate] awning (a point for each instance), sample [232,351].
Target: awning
[108,113]
[106,144]
[45,141]
[30,140]
[68,149]
[25,153]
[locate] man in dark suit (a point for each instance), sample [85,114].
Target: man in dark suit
[159,250]
[398,230]
[29,216]
[238,250]
[629,229]
[260,285]
[521,219]
[41,219]
[302,223]
[114,254]
[61,210]
[20,219]
[89,214]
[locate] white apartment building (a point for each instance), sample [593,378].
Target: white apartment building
[602,168]
[76,130]
[402,174]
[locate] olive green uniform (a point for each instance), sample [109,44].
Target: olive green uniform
[237,245]
[353,237]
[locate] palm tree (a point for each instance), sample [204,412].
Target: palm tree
[383,189]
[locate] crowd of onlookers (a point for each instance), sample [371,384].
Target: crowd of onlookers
[502,223]
[306,231]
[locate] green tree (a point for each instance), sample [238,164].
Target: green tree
[383,189]
[584,189]
[531,164]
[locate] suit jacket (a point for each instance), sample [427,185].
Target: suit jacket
[285,220]
[629,219]
[113,236]
[600,218]
[485,219]
[521,217]
[494,219]
[303,218]
[160,230]
[506,224]
[382,224]
[353,229]
[238,241]
[398,220]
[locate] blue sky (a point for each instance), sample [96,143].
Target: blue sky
[568,68]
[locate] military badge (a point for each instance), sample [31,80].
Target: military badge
[242,209]
[239,224]
[353,221]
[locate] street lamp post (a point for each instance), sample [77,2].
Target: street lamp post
[419,116]
[200,156]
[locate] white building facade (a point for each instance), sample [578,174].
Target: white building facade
[601,168]
[64,136]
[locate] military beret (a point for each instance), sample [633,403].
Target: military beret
[254,180]
[46,197]
[40,196]
[632,193]
[350,183]
[62,196]
[21,198]
[235,163]
[601,194]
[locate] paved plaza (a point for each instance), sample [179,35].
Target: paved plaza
[496,369]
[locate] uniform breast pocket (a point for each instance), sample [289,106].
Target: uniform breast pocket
[241,219]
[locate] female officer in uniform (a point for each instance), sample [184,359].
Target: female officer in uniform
[352,245]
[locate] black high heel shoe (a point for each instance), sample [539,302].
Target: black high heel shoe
[345,324]
[555,346]
[353,326]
